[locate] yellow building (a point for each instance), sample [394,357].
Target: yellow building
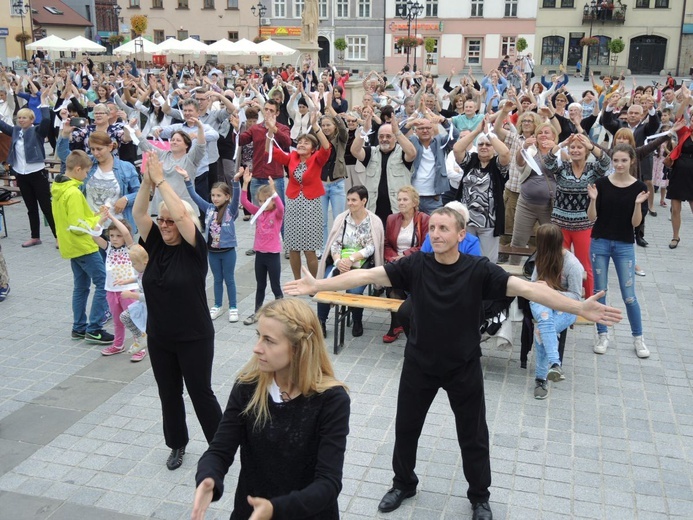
[650,30]
[10,27]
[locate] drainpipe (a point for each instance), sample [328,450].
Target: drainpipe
[683,19]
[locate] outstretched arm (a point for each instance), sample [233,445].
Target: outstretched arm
[354,278]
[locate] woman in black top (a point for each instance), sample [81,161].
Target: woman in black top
[290,418]
[179,327]
[616,206]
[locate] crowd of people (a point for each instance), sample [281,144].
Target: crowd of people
[415,188]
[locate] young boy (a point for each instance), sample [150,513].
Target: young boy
[70,208]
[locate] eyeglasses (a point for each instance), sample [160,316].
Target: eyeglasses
[483,144]
[167,221]
[100,113]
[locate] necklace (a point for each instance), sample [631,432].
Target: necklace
[284,396]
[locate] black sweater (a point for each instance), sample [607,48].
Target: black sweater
[295,460]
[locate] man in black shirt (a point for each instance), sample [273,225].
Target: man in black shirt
[447,288]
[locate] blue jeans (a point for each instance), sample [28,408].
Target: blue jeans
[223,266]
[550,324]
[335,196]
[623,255]
[86,270]
[429,204]
[278,186]
[324,308]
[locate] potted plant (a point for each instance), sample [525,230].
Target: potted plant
[22,37]
[116,40]
[138,24]
[616,47]
[259,39]
[521,45]
[341,45]
[430,46]
[589,41]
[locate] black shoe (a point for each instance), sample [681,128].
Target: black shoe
[175,459]
[503,258]
[393,499]
[482,511]
[250,252]
[323,326]
[77,334]
[641,241]
[652,213]
[357,329]
[100,336]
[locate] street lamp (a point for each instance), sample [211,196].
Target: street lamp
[410,11]
[259,10]
[21,8]
[590,10]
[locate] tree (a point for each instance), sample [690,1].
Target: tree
[430,46]
[616,47]
[138,24]
[521,45]
[341,45]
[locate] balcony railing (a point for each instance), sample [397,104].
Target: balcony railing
[611,16]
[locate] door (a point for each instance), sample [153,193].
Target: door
[324,52]
[574,49]
[432,59]
[647,54]
[473,51]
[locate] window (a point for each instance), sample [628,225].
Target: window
[661,4]
[182,35]
[158,36]
[53,10]
[342,8]
[549,3]
[511,8]
[364,7]
[600,54]
[157,4]
[232,4]
[566,4]
[552,50]
[642,4]
[357,48]
[507,45]
[477,7]
[322,9]
[400,8]
[298,8]
[233,36]
[399,50]
[208,4]
[279,8]
[182,4]
[432,8]
[473,51]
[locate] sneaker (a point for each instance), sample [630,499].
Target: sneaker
[250,320]
[32,242]
[4,291]
[541,390]
[233,315]
[555,373]
[138,356]
[602,344]
[640,347]
[503,258]
[215,312]
[77,335]
[100,336]
[640,272]
[106,318]
[135,347]
[250,252]
[112,350]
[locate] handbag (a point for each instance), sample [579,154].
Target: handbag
[5,195]
[528,267]
[346,252]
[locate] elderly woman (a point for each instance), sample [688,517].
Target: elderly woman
[27,158]
[303,216]
[110,182]
[481,188]
[356,241]
[179,327]
[80,136]
[405,232]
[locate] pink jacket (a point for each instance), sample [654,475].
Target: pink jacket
[268,225]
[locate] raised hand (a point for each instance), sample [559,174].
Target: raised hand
[592,191]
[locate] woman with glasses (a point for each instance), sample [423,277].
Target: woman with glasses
[79,140]
[179,327]
[355,170]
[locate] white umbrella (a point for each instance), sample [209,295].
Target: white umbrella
[245,47]
[138,45]
[49,43]
[193,46]
[223,47]
[80,43]
[271,48]
[170,46]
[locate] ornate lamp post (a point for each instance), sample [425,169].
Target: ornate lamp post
[259,10]
[21,8]
[410,11]
[590,10]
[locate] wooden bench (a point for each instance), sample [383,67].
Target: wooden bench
[4,204]
[516,251]
[342,302]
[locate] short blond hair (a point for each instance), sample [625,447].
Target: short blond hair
[413,194]
[78,159]
[26,112]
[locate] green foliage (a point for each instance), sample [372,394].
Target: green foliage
[340,44]
[616,46]
[521,45]
[430,45]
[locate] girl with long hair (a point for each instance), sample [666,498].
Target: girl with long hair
[560,270]
[290,417]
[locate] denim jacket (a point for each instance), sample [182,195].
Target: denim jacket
[124,172]
[440,144]
[33,139]
[228,227]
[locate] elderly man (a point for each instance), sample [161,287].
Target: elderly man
[388,166]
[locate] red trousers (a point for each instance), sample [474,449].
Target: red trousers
[580,240]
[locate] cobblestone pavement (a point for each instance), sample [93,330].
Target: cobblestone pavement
[81,434]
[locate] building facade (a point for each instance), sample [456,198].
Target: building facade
[685,65]
[476,33]
[649,29]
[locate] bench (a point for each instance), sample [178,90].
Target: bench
[4,204]
[516,251]
[342,302]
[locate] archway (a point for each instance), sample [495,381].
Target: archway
[324,52]
[646,55]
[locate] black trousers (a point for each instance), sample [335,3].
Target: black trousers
[267,264]
[36,192]
[173,363]
[465,389]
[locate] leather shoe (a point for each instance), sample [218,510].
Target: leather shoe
[323,326]
[641,241]
[175,459]
[393,499]
[357,329]
[482,511]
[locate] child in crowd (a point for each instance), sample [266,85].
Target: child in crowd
[73,221]
[135,316]
[120,274]
[268,242]
[220,235]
